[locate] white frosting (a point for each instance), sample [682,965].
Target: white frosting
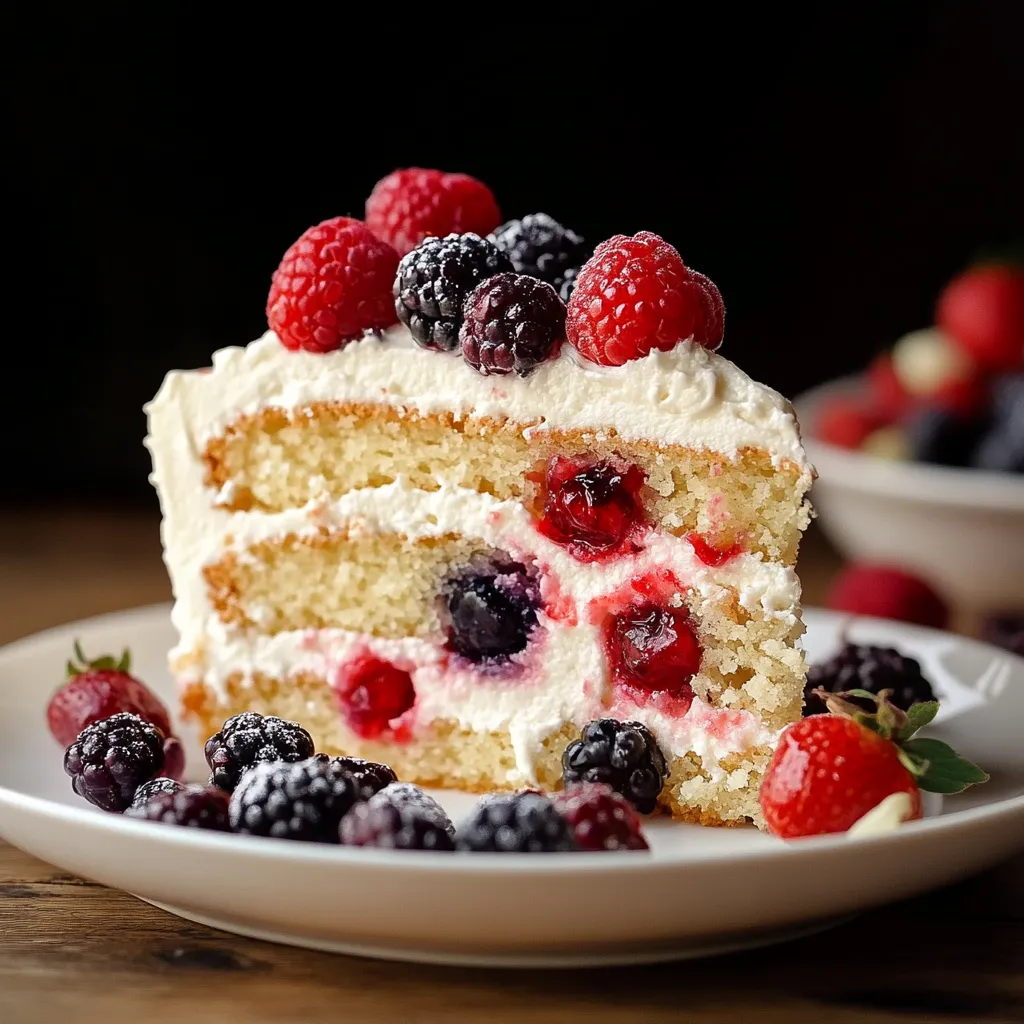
[688,396]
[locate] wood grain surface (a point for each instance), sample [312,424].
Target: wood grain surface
[74,951]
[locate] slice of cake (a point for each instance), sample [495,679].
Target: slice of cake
[452,543]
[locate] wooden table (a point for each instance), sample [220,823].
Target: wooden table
[72,950]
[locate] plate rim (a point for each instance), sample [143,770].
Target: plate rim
[263,848]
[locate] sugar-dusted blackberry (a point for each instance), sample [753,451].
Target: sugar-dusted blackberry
[434,281]
[150,789]
[112,758]
[623,755]
[541,247]
[203,807]
[866,667]
[400,817]
[369,776]
[250,738]
[516,823]
[490,609]
[512,323]
[304,800]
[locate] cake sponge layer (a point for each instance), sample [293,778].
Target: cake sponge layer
[275,459]
[449,756]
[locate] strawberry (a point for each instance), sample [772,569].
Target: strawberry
[97,689]
[830,770]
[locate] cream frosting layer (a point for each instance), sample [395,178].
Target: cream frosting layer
[687,396]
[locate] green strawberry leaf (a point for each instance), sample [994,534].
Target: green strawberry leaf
[919,715]
[105,661]
[946,771]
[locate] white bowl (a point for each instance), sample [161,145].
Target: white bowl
[961,529]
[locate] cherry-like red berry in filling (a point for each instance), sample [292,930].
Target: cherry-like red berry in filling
[591,511]
[373,694]
[709,554]
[653,648]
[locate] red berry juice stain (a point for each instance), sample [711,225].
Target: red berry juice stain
[558,606]
[374,695]
[711,555]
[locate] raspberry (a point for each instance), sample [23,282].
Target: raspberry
[490,610]
[435,279]
[983,311]
[98,688]
[635,295]
[160,785]
[847,421]
[887,593]
[412,204]
[401,817]
[368,776]
[653,648]
[516,823]
[373,693]
[110,759]
[332,286]
[539,246]
[305,800]
[594,511]
[250,738]
[512,323]
[864,667]
[191,806]
[601,819]
[622,755]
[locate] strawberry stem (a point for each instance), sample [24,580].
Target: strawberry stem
[82,664]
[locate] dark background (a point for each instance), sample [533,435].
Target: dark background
[830,169]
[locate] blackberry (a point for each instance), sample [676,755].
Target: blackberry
[490,610]
[150,789]
[567,285]
[601,819]
[541,247]
[112,758]
[369,776]
[400,817]
[434,281]
[248,739]
[516,823]
[1005,630]
[512,323]
[623,755]
[304,800]
[864,667]
[192,806]
[942,438]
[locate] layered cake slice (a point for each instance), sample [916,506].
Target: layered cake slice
[451,542]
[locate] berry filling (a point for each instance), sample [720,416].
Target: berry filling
[709,554]
[595,512]
[490,610]
[653,649]
[373,693]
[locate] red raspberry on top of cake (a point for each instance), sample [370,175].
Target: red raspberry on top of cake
[464,548]
[415,203]
[333,285]
[635,295]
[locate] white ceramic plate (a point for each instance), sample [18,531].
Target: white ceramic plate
[698,891]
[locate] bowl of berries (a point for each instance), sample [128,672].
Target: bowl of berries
[920,458]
